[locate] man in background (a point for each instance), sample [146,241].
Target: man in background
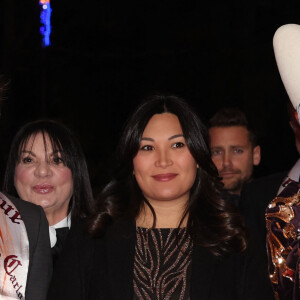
[234,149]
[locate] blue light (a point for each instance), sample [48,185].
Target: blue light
[45,28]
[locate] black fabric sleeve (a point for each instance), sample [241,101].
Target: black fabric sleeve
[71,270]
[41,264]
[255,283]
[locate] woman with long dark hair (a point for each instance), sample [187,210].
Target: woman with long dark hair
[46,166]
[162,230]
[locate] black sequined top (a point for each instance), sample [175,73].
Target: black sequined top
[162,264]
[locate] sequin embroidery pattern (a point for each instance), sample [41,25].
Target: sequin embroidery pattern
[162,264]
[283,236]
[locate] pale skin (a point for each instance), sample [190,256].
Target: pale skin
[233,155]
[42,178]
[165,171]
[167,215]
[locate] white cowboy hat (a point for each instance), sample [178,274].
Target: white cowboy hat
[286,44]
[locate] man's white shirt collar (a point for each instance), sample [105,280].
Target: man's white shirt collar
[293,174]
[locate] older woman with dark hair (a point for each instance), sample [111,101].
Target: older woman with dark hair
[163,232]
[46,166]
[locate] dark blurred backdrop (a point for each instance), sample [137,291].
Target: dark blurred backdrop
[106,55]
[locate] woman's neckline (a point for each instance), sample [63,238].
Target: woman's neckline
[150,228]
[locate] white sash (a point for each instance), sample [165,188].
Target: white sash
[14,252]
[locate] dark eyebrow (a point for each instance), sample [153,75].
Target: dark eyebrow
[56,152]
[147,139]
[170,138]
[28,152]
[175,136]
[237,146]
[31,153]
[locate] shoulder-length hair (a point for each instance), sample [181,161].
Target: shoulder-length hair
[212,222]
[62,140]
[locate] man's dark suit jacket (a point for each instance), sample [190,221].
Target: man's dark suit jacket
[40,262]
[102,268]
[254,200]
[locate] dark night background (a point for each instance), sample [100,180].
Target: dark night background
[107,55]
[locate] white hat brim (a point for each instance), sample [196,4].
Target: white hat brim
[286,44]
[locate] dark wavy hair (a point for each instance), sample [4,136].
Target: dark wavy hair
[64,141]
[212,222]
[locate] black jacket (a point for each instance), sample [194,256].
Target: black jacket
[254,200]
[102,268]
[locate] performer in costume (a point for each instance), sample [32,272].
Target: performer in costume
[283,213]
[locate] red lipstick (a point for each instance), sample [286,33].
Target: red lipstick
[164,177]
[43,188]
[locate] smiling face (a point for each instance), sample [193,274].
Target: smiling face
[233,155]
[164,168]
[42,178]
